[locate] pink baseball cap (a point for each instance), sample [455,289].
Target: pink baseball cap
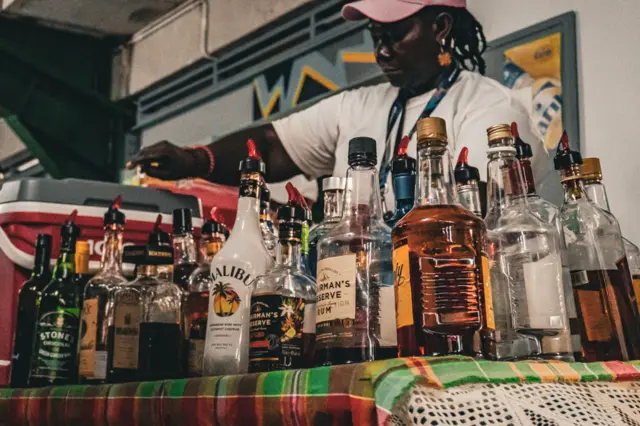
[391,10]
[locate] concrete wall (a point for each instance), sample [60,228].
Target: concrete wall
[609,60]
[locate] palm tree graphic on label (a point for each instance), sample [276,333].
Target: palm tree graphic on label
[225,300]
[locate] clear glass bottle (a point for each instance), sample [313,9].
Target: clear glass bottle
[184,248]
[566,345]
[355,319]
[283,304]
[197,306]
[595,190]
[269,232]
[234,271]
[403,175]
[443,291]
[467,180]
[97,306]
[27,312]
[526,262]
[602,286]
[333,189]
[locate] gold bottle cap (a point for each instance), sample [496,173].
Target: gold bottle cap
[591,169]
[498,133]
[82,247]
[432,128]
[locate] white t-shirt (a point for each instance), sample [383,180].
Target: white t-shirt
[317,138]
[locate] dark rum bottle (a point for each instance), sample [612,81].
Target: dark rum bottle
[27,312]
[602,286]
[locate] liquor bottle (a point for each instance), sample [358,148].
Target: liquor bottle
[283,304]
[467,179]
[595,190]
[566,345]
[55,353]
[602,287]
[27,312]
[124,328]
[82,276]
[234,271]
[333,189]
[443,291]
[526,261]
[97,306]
[354,288]
[184,248]
[269,233]
[403,172]
[200,284]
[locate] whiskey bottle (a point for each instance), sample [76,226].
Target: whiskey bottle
[403,177]
[200,284]
[443,291]
[234,271]
[602,286]
[595,190]
[526,261]
[184,248]
[269,233]
[333,190]
[27,312]
[97,306]
[55,353]
[354,288]
[467,180]
[566,345]
[282,322]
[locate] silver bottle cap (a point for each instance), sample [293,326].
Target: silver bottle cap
[333,183]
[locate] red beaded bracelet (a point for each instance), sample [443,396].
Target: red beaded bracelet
[211,158]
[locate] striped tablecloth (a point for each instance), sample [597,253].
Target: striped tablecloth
[361,394]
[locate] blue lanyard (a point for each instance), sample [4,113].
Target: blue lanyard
[397,111]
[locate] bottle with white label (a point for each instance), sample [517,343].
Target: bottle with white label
[97,307]
[526,254]
[234,272]
[282,327]
[355,317]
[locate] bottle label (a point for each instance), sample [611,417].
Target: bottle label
[226,346]
[543,290]
[275,331]
[636,289]
[304,239]
[309,325]
[196,356]
[489,314]
[88,338]
[56,343]
[591,305]
[126,335]
[336,301]
[402,285]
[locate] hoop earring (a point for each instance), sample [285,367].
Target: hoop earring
[444,58]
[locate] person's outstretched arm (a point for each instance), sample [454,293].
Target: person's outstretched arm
[166,161]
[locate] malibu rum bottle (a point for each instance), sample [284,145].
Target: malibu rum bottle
[27,312]
[442,285]
[602,287]
[282,323]
[355,317]
[55,353]
[234,271]
[97,307]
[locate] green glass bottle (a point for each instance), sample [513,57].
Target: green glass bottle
[55,354]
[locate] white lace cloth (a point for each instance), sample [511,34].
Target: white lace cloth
[543,404]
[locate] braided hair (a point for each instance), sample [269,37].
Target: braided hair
[466,38]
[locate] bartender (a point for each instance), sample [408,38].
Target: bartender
[431,54]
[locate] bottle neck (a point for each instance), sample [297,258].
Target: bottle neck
[572,183]
[82,263]
[247,216]
[65,266]
[289,253]
[333,205]
[111,261]
[184,249]
[597,193]
[42,260]
[362,198]
[506,186]
[211,245]
[435,176]
[404,189]
[146,271]
[527,171]
[469,195]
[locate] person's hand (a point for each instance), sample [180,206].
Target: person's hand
[166,161]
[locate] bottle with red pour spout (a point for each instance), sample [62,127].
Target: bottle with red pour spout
[355,318]
[306,226]
[97,308]
[55,351]
[403,175]
[467,179]
[234,271]
[602,287]
[282,325]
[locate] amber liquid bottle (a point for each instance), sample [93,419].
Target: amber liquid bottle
[443,293]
